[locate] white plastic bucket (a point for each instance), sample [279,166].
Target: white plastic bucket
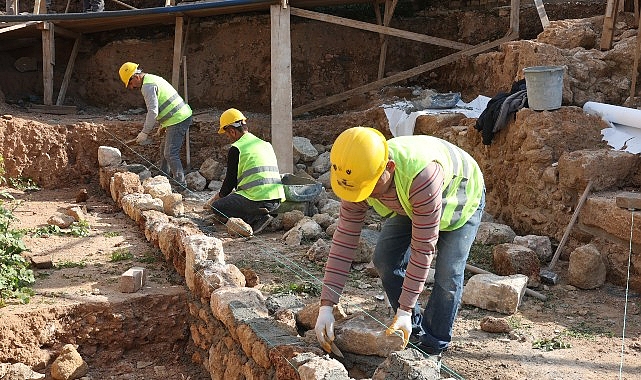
[544,87]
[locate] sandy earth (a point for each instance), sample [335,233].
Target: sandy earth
[589,321]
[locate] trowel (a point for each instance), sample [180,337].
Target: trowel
[336,351]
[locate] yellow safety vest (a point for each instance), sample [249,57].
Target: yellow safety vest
[462,185]
[172,109]
[258,175]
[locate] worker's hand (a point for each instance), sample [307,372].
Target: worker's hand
[402,322]
[325,327]
[159,131]
[142,137]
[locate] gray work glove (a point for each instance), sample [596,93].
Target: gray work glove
[142,137]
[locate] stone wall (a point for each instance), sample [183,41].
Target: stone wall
[232,331]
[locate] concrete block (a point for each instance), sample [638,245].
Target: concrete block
[132,280]
[144,274]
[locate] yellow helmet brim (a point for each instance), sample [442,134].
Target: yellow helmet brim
[352,194]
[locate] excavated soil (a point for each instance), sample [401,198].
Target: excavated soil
[589,322]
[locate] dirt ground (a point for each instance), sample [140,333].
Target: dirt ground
[590,323]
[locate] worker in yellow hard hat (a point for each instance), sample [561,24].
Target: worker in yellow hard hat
[252,186]
[167,107]
[433,195]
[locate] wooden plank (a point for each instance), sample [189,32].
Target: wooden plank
[543,16]
[515,6]
[68,72]
[281,87]
[55,110]
[48,57]
[378,29]
[609,21]
[39,7]
[124,4]
[186,98]
[402,75]
[635,66]
[13,8]
[178,39]
[390,5]
[19,26]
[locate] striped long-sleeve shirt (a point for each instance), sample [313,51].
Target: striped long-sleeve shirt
[426,201]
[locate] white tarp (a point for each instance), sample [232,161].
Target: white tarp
[402,121]
[625,125]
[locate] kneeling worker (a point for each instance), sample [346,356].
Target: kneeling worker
[252,170]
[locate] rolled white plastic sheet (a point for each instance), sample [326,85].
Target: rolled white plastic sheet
[614,114]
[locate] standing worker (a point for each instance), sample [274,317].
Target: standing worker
[169,109]
[252,170]
[433,195]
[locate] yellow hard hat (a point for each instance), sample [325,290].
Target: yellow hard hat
[127,70]
[358,157]
[230,116]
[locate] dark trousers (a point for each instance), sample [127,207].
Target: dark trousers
[237,206]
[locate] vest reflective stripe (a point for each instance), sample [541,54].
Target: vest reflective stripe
[258,175]
[257,170]
[462,178]
[263,181]
[172,109]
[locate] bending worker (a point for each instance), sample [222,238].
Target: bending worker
[252,170]
[433,195]
[169,109]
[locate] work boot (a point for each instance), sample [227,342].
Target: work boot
[259,225]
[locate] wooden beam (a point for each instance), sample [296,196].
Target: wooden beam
[178,40]
[18,26]
[611,11]
[635,66]
[124,4]
[56,110]
[543,16]
[402,75]
[68,72]
[48,61]
[186,99]
[12,7]
[39,7]
[378,29]
[515,7]
[390,5]
[281,87]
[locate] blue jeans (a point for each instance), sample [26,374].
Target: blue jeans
[391,257]
[170,152]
